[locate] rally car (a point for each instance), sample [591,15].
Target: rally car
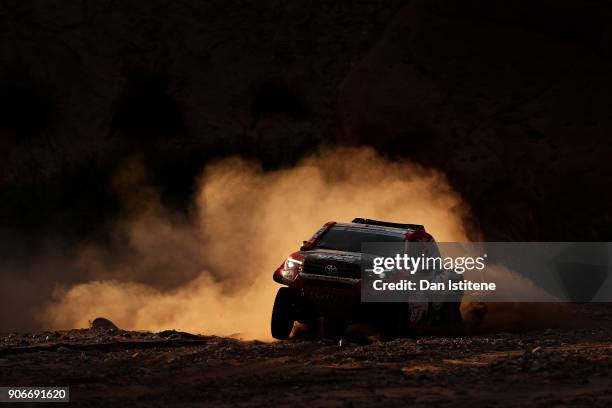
[323,280]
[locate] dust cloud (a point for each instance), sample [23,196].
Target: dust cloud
[212,274]
[497,312]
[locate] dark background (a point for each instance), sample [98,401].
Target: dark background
[511,100]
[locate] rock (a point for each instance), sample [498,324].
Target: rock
[101,323]
[536,350]
[173,334]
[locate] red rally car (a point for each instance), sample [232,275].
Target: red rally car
[323,279]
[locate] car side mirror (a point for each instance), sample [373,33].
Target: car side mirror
[306,245]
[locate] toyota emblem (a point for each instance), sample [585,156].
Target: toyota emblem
[331,269]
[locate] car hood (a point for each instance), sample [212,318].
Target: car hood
[332,255]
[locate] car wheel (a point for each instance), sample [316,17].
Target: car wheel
[394,321]
[283,314]
[333,329]
[450,315]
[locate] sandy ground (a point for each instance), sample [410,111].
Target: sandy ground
[546,367]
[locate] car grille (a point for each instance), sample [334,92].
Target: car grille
[343,269]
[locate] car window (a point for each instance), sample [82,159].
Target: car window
[350,239]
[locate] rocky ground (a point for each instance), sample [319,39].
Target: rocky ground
[107,367]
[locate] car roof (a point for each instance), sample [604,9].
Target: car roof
[373,228]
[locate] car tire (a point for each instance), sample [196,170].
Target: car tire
[393,322]
[333,329]
[450,315]
[283,314]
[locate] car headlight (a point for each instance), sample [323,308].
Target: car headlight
[292,268]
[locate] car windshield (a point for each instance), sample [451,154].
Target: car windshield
[350,239]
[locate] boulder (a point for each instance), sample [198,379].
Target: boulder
[102,323]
